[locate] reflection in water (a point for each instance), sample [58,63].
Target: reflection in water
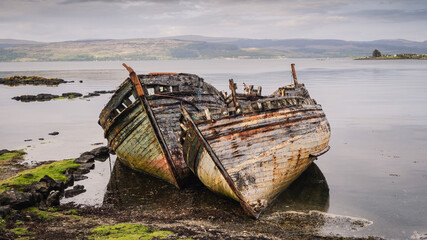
[309,192]
[292,210]
[128,189]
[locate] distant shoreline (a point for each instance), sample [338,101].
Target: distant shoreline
[397,57]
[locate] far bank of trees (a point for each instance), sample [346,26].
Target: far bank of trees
[376,53]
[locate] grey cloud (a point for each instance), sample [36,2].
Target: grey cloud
[117,1]
[56,20]
[393,15]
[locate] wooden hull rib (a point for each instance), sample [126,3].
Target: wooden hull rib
[144,130]
[256,154]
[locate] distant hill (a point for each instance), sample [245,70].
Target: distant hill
[4,43]
[320,47]
[198,47]
[198,38]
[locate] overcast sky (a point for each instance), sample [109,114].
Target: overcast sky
[361,20]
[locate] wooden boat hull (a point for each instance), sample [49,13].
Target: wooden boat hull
[253,157]
[132,136]
[144,130]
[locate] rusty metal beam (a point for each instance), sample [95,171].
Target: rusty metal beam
[294,74]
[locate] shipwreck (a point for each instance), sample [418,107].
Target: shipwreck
[141,121]
[254,146]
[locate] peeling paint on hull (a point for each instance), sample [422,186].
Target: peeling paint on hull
[144,130]
[254,156]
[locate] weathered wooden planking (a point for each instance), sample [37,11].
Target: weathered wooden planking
[263,152]
[167,114]
[141,151]
[193,93]
[122,93]
[262,170]
[145,136]
[205,161]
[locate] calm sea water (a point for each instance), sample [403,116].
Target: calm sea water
[376,168]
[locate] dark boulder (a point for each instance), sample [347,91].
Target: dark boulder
[88,165]
[82,170]
[53,198]
[78,189]
[3,151]
[33,98]
[48,180]
[54,133]
[70,181]
[45,97]
[4,211]
[52,184]
[85,159]
[101,153]
[79,177]
[72,95]
[16,200]
[31,80]
[60,185]
[87,154]
[38,187]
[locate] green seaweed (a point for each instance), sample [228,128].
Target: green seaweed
[71,211]
[39,213]
[52,213]
[128,231]
[20,231]
[59,98]
[54,170]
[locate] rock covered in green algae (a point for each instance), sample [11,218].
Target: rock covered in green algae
[30,80]
[7,155]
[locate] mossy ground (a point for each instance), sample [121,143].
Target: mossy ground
[47,215]
[54,170]
[128,231]
[16,154]
[20,231]
[111,223]
[52,213]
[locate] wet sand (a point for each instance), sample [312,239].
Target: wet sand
[193,212]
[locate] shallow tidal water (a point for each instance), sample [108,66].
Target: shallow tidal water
[376,169]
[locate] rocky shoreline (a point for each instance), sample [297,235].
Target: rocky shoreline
[33,211]
[46,192]
[31,80]
[43,97]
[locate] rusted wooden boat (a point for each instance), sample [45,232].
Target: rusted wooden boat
[141,120]
[251,151]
